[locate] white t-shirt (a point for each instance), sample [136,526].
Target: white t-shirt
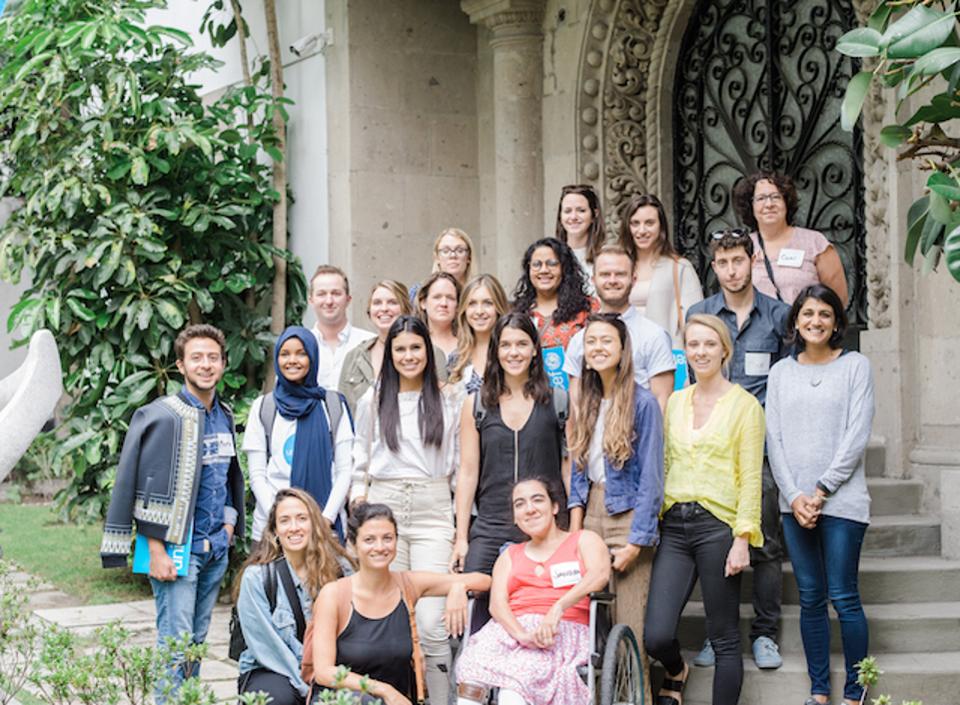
[330,360]
[596,469]
[269,475]
[652,349]
[412,460]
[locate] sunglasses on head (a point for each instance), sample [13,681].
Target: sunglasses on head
[732,232]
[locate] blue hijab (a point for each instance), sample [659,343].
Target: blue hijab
[312,466]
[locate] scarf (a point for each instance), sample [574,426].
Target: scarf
[312,465]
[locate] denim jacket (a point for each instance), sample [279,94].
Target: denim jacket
[638,485]
[271,638]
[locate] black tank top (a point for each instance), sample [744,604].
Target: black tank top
[380,648]
[507,456]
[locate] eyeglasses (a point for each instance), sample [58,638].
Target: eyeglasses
[450,251]
[735,233]
[773,197]
[537,264]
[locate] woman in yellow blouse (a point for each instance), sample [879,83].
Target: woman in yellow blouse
[713,436]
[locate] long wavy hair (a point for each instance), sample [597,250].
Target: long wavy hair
[324,555]
[595,233]
[536,387]
[430,408]
[466,338]
[424,291]
[618,427]
[665,247]
[572,297]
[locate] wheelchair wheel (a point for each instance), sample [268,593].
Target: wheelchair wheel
[621,676]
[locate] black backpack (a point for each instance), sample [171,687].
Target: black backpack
[561,402]
[268,414]
[271,570]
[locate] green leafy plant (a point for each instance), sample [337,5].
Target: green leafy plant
[868,674]
[912,45]
[143,209]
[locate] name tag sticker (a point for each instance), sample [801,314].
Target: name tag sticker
[756,364]
[565,574]
[790,258]
[225,447]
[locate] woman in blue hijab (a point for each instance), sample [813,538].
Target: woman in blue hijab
[299,435]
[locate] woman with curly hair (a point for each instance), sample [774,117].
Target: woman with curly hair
[665,284]
[552,291]
[482,303]
[580,225]
[436,305]
[296,540]
[787,258]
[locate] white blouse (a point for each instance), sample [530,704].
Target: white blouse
[412,460]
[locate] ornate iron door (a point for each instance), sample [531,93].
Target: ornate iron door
[759,86]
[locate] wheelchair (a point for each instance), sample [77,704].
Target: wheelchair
[613,672]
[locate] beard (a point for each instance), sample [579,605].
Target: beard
[615,299]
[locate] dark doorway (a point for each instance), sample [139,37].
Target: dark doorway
[759,86]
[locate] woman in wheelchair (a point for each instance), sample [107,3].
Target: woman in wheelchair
[366,622]
[539,602]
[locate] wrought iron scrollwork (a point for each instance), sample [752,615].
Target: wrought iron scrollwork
[759,86]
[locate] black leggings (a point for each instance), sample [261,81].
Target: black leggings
[694,543]
[273,684]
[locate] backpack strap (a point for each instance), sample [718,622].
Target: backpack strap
[268,414]
[270,584]
[334,414]
[409,594]
[479,411]
[283,569]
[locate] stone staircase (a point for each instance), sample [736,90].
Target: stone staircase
[911,597]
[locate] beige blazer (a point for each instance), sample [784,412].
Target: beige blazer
[661,302]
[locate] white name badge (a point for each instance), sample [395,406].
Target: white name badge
[756,364]
[565,574]
[225,447]
[790,258]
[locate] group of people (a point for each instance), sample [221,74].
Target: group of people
[532,449]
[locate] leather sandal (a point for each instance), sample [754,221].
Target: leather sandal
[675,686]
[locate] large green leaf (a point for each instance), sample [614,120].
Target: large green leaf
[895,135]
[853,99]
[860,42]
[916,218]
[936,61]
[941,108]
[920,30]
[932,231]
[944,185]
[951,249]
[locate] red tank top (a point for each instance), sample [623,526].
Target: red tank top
[533,587]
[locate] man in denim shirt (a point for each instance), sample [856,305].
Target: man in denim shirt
[178,477]
[756,324]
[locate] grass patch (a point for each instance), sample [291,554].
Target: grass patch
[65,555]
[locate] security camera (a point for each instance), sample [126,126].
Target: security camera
[304,45]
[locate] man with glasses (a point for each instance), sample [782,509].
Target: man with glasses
[756,324]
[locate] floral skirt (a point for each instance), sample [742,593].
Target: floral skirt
[540,676]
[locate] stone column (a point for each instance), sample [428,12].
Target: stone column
[516,41]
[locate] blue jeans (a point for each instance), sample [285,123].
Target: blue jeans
[826,561]
[186,605]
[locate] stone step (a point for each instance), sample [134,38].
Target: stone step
[933,678]
[889,496]
[876,459]
[903,535]
[896,579]
[913,627]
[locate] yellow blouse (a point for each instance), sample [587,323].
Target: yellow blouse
[720,464]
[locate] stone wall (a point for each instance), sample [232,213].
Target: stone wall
[402,110]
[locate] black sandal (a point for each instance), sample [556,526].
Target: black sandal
[673,686]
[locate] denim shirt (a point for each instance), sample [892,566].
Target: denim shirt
[214,506]
[271,638]
[638,485]
[761,334]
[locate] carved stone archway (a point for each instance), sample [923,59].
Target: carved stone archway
[623,130]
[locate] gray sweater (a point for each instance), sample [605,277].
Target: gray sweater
[818,424]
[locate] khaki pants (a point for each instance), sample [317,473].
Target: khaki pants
[631,587]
